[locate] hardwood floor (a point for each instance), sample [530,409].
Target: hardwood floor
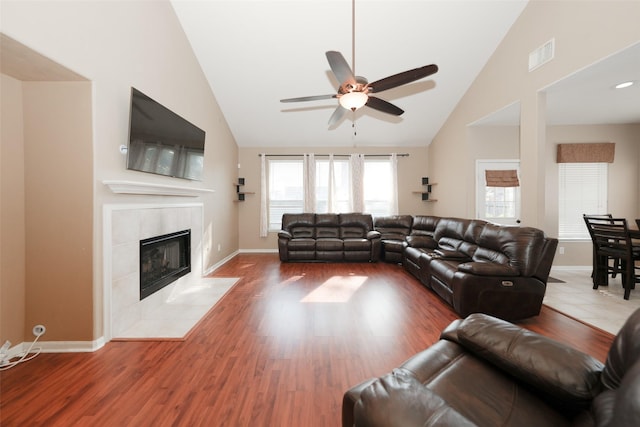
[279,349]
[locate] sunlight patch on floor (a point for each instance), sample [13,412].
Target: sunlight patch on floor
[336,289]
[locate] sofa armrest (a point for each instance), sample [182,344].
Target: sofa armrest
[399,399]
[563,372]
[488,269]
[282,234]
[451,255]
[373,235]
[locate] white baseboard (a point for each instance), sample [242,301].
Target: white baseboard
[258,251]
[571,267]
[219,264]
[57,347]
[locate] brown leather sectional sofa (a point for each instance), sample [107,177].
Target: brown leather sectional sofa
[473,265]
[487,372]
[477,266]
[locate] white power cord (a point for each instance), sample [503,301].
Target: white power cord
[8,364]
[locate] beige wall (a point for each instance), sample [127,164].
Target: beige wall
[58,209]
[12,213]
[505,80]
[622,182]
[410,171]
[116,45]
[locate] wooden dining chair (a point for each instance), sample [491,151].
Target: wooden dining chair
[616,261]
[612,239]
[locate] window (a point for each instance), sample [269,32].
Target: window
[501,202]
[341,180]
[583,190]
[285,190]
[378,191]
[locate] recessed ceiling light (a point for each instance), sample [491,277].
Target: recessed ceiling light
[624,84]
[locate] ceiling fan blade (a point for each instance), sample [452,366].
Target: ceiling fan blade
[309,98]
[340,67]
[337,115]
[403,78]
[384,106]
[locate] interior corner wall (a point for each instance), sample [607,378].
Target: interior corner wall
[12,213]
[59,209]
[505,79]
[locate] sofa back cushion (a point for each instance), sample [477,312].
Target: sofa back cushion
[299,225]
[355,225]
[424,225]
[458,235]
[519,247]
[327,226]
[394,227]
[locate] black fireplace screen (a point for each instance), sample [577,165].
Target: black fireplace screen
[164,259]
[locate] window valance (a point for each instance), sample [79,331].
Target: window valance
[502,178]
[601,152]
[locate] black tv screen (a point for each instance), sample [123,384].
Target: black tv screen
[162,142]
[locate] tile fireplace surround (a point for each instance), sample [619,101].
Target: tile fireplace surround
[124,226]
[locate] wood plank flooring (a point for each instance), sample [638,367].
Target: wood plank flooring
[279,349]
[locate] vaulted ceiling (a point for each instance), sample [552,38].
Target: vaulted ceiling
[255,53]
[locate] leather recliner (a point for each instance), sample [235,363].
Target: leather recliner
[487,372]
[477,266]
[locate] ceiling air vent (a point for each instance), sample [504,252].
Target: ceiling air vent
[542,55]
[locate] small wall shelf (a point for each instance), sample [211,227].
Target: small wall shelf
[239,191]
[425,193]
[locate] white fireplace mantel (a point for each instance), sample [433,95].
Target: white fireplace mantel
[145,188]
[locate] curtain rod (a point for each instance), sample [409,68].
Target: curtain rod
[335,155]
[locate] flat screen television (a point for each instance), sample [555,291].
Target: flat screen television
[162,142]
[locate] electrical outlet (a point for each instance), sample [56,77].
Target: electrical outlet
[39,330]
[561,250]
[219,247]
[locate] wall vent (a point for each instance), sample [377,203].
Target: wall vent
[542,55]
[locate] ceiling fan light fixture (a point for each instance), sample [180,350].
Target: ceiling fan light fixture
[624,84]
[353,100]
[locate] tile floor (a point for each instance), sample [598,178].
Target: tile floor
[177,315]
[603,308]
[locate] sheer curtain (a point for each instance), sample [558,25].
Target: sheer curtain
[331,195]
[309,182]
[356,163]
[394,184]
[264,214]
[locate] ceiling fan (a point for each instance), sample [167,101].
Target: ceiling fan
[354,91]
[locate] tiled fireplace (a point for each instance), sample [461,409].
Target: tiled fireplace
[126,226]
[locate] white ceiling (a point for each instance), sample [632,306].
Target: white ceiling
[255,53]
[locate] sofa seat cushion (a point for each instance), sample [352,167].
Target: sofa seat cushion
[329,244]
[356,245]
[399,400]
[302,244]
[488,397]
[478,391]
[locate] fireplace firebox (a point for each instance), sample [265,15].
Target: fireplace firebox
[163,259]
